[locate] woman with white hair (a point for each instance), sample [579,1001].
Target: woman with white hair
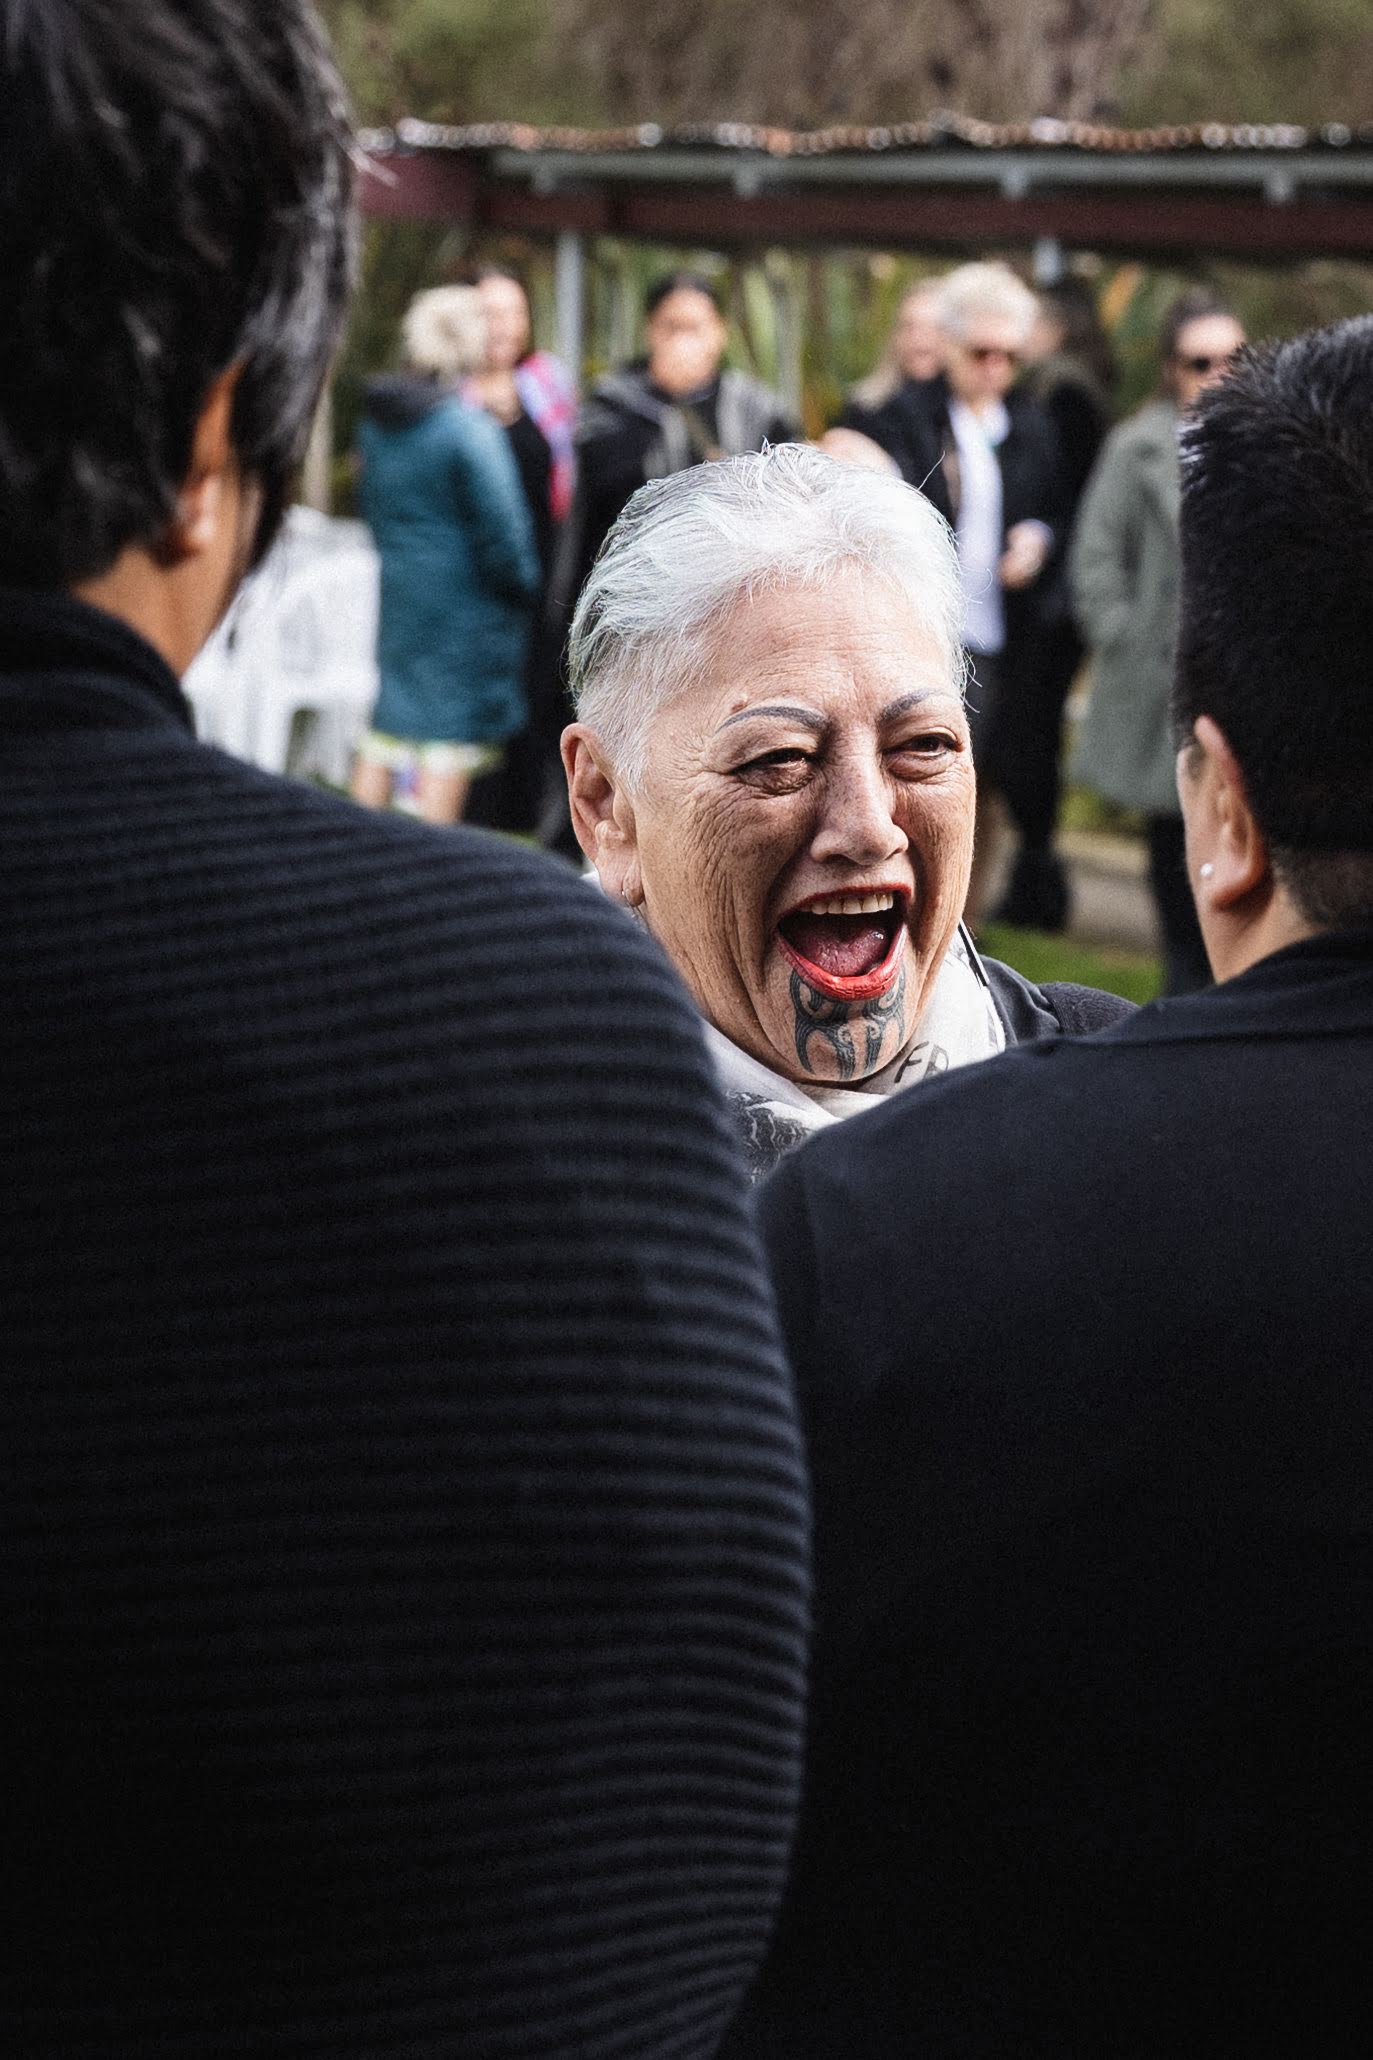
[987,457]
[771,767]
[459,570]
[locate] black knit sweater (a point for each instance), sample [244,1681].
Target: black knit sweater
[403,1520]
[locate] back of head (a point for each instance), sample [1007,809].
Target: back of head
[1071,306]
[689,548]
[1277,602]
[174,194]
[444,332]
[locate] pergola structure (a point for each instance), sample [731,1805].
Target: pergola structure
[1260,193]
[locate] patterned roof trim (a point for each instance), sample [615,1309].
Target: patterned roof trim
[940,131]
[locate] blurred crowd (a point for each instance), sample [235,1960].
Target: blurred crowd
[995,401]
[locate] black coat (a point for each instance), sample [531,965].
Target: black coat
[914,428]
[1084,1340]
[402,1526]
[629,432]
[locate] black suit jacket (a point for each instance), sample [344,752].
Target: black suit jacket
[402,1525]
[1084,1340]
[914,428]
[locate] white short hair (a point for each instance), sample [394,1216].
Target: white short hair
[444,332]
[973,292]
[689,548]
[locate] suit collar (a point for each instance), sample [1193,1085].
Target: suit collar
[69,663]
[1321,987]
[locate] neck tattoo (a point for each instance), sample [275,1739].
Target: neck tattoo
[836,1025]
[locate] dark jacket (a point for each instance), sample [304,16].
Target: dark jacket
[629,432]
[914,428]
[403,1555]
[459,573]
[1082,1338]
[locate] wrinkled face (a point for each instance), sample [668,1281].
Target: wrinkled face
[919,338]
[686,341]
[803,834]
[982,365]
[1204,350]
[507,323]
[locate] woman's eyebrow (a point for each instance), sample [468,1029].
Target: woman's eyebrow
[912,700]
[807,717]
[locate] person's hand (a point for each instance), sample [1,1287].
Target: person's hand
[1027,547]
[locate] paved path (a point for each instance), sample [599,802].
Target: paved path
[1112,905]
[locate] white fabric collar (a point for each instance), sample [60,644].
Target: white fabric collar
[960,1025]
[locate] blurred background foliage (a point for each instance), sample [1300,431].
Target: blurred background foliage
[804,63]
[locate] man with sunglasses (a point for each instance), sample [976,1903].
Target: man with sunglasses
[1124,570]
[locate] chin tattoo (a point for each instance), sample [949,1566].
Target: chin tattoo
[838,1026]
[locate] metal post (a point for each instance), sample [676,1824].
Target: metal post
[786,317]
[316,481]
[1049,266]
[570,292]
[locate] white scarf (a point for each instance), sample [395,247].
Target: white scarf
[959,1026]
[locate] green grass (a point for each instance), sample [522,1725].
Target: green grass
[1039,957]
[1082,810]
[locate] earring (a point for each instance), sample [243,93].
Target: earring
[1207,870]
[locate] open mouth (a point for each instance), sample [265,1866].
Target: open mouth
[848,946]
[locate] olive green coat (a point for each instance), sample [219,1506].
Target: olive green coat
[1124,575]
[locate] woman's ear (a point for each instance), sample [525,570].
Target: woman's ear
[1227,851]
[200,504]
[602,814]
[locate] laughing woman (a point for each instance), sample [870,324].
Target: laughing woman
[771,768]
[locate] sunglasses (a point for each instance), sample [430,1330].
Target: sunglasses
[1202,363]
[983,353]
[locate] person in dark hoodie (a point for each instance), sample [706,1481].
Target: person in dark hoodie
[459,569]
[675,407]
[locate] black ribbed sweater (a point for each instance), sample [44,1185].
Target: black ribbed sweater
[403,1559]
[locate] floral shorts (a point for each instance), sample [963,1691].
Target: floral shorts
[401,754]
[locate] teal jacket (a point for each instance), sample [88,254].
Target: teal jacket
[459,571]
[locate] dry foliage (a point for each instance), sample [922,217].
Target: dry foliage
[806,63]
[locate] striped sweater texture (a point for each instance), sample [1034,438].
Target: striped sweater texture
[404,1527]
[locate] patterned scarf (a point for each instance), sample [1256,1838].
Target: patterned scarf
[549,398]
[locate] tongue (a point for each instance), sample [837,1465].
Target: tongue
[842,946]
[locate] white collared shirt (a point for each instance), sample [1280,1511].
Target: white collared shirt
[980,523]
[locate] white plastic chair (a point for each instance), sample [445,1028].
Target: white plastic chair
[299,640]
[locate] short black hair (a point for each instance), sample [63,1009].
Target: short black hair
[175,187]
[1277,601]
[681,282]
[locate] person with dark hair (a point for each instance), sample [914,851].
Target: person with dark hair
[1092,1682]
[532,395]
[403,1570]
[518,384]
[675,407]
[1124,574]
